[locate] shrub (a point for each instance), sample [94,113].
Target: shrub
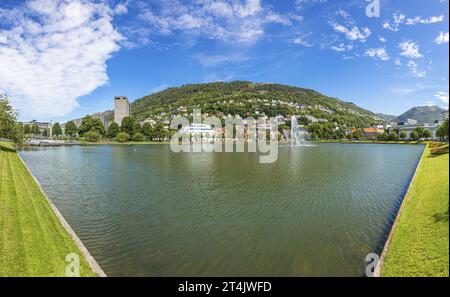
[433,144]
[92,136]
[440,150]
[138,137]
[122,137]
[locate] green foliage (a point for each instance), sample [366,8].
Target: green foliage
[357,134]
[442,130]
[9,128]
[88,123]
[147,130]
[414,135]
[26,129]
[70,129]
[35,130]
[122,137]
[137,128]
[92,136]
[138,137]
[113,130]
[128,125]
[402,134]
[57,131]
[443,149]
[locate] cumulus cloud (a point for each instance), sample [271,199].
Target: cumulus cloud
[53,52]
[398,19]
[378,53]
[410,49]
[443,96]
[342,47]
[352,33]
[420,20]
[442,38]
[237,21]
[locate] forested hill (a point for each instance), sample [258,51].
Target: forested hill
[251,99]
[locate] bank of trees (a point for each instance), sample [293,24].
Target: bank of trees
[9,128]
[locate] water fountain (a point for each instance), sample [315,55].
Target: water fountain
[298,134]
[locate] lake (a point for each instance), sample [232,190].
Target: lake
[142,210]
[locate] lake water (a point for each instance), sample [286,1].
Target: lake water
[143,210]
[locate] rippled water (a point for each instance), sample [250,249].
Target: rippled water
[143,210]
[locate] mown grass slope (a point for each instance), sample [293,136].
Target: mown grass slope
[420,241]
[32,240]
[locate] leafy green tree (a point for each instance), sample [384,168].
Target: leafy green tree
[442,130]
[88,123]
[147,130]
[127,125]
[138,137]
[414,135]
[402,134]
[26,129]
[137,128]
[392,137]
[92,136]
[122,137]
[426,134]
[35,130]
[57,131]
[113,130]
[9,127]
[357,134]
[70,129]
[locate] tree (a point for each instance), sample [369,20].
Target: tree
[26,129]
[127,125]
[92,136]
[137,128]
[357,134]
[88,123]
[147,130]
[414,135]
[122,137]
[426,134]
[70,129]
[402,134]
[35,130]
[442,130]
[113,130]
[57,131]
[138,137]
[9,127]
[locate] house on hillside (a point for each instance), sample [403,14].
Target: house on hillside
[371,133]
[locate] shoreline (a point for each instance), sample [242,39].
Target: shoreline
[84,251]
[379,266]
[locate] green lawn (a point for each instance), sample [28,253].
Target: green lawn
[32,240]
[420,242]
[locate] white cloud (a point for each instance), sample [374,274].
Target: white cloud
[302,39]
[216,60]
[413,67]
[442,38]
[399,18]
[236,21]
[352,33]
[397,62]
[121,8]
[342,47]
[419,20]
[410,49]
[443,96]
[55,52]
[382,39]
[378,53]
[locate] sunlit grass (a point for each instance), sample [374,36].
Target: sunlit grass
[420,242]
[32,240]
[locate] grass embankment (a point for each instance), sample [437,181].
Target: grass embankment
[420,241]
[32,240]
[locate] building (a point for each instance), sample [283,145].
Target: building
[409,128]
[121,108]
[371,133]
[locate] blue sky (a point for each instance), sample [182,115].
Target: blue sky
[64,59]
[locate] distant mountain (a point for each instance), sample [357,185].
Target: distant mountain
[387,117]
[250,99]
[423,114]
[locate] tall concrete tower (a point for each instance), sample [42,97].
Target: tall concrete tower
[121,109]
